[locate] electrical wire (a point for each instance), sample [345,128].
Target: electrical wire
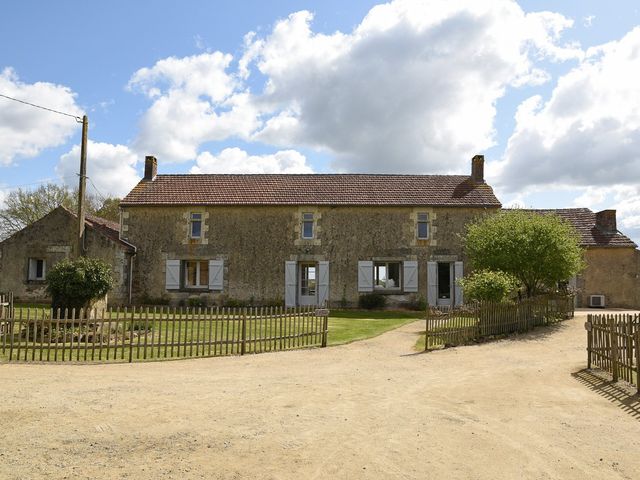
[76,117]
[40,182]
[102,197]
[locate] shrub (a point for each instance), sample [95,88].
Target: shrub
[488,285]
[418,303]
[74,283]
[372,301]
[196,302]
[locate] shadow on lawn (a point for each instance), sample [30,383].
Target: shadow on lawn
[622,395]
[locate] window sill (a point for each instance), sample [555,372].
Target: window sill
[388,291]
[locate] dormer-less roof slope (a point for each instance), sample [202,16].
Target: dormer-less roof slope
[584,221]
[312,189]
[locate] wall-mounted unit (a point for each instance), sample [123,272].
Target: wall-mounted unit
[596,301]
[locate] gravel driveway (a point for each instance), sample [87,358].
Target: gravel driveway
[517,408]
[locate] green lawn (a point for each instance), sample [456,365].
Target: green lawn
[184,337]
[347,326]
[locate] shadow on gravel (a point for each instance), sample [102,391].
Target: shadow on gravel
[622,395]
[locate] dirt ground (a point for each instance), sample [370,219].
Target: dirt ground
[517,408]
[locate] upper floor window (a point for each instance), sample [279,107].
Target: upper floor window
[422,226]
[195,225]
[307,225]
[37,267]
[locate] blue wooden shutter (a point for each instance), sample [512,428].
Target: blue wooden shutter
[410,274]
[216,275]
[323,283]
[458,274]
[172,275]
[290,283]
[432,283]
[365,276]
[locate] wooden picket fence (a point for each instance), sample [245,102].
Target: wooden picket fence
[127,335]
[613,345]
[473,322]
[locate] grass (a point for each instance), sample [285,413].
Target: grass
[345,326]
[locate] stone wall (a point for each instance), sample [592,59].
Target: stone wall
[255,242]
[614,273]
[52,238]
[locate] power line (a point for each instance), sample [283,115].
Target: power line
[47,180]
[76,117]
[102,197]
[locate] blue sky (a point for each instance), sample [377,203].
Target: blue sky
[544,89]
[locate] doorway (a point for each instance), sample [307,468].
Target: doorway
[445,285]
[308,288]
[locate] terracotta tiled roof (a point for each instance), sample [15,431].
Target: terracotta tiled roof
[312,189]
[584,221]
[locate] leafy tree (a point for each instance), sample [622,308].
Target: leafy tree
[73,283]
[488,285]
[538,249]
[110,209]
[23,207]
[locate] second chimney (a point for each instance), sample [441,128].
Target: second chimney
[150,168]
[606,221]
[477,168]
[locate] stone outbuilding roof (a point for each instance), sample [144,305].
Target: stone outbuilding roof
[312,189]
[107,228]
[596,229]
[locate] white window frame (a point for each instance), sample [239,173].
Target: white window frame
[185,275]
[308,217]
[34,261]
[386,263]
[192,221]
[422,218]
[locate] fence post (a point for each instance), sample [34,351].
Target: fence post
[426,330]
[325,328]
[133,312]
[588,327]
[614,348]
[244,331]
[637,346]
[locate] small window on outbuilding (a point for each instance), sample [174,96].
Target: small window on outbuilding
[195,226]
[37,269]
[422,226]
[307,226]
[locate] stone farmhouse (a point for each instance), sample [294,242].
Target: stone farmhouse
[26,256]
[305,239]
[612,274]
[300,240]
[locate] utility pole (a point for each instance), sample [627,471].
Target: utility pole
[82,185]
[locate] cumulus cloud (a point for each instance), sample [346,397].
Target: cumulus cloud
[415,82]
[235,160]
[25,131]
[195,100]
[588,132]
[111,168]
[411,89]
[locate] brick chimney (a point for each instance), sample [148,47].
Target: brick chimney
[150,168]
[477,168]
[606,221]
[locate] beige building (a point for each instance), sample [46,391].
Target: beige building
[26,256]
[302,239]
[612,275]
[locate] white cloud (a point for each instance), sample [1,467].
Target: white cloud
[195,100]
[588,132]
[412,88]
[24,130]
[588,20]
[111,168]
[235,160]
